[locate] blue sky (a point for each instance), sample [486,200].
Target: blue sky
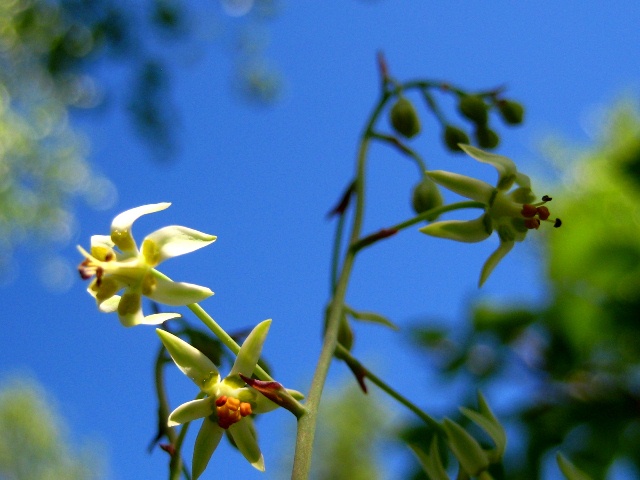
[262,180]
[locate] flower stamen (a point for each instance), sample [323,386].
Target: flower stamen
[537,212]
[230,410]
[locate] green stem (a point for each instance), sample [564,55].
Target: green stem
[335,255]
[374,237]
[307,422]
[356,366]
[403,148]
[217,330]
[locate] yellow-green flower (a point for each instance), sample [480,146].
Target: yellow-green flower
[117,265]
[511,213]
[229,402]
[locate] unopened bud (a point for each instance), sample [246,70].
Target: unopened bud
[426,195]
[486,137]
[474,108]
[404,118]
[453,136]
[511,112]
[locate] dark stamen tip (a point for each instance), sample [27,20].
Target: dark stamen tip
[546,198]
[557,223]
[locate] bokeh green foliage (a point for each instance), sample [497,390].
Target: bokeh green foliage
[33,440]
[349,424]
[576,354]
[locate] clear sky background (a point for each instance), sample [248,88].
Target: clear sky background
[263,179]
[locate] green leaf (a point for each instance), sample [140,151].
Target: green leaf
[431,464]
[371,317]
[486,420]
[473,459]
[570,470]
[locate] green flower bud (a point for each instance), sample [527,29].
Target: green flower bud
[426,195]
[486,137]
[404,118]
[453,136]
[511,112]
[474,108]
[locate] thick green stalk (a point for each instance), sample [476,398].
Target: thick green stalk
[307,422]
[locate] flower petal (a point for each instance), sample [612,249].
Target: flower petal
[130,309]
[158,318]
[494,259]
[244,435]
[461,184]
[172,241]
[109,305]
[507,171]
[178,293]
[250,350]
[101,246]
[206,442]
[469,231]
[121,225]
[190,411]
[193,363]
[522,195]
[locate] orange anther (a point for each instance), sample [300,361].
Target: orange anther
[245,409]
[220,401]
[532,223]
[543,212]
[528,211]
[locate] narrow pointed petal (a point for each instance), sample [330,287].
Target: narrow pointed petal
[507,171]
[178,293]
[470,231]
[158,318]
[206,442]
[121,225]
[251,350]
[193,363]
[493,260]
[191,411]
[172,241]
[244,435]
[461,184]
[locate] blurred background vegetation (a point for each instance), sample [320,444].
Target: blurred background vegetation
[34,444]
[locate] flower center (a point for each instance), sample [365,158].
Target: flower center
[90,267]
[230,410]
[536,213]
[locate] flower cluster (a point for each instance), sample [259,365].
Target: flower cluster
[116,264]
[511,213]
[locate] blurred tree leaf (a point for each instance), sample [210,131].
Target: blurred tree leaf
[33,440]
[346,449]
